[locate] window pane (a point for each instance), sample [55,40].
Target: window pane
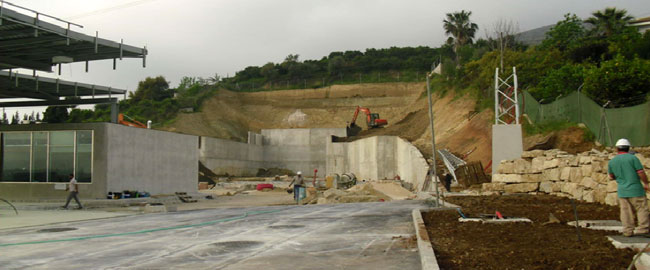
[39,157]
[15,157]
[61,155]
[84,156]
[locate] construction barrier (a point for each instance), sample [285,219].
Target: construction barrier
[608,125]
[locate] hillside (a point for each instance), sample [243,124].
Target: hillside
[231,115]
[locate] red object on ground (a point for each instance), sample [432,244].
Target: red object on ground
[263,186]
[499,215]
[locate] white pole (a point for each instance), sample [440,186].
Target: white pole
[514,76]
[496,97]
[434,174]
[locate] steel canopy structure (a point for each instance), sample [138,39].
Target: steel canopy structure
[39,42]
[29,42]
[52,91]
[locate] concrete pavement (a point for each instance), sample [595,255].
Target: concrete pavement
[341,236]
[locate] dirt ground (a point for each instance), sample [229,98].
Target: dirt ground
[473,245]
[230,115]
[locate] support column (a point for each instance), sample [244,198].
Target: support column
[115,109]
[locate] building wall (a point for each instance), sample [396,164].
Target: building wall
[157,162]
[124,158]
[379,157]
[95,189]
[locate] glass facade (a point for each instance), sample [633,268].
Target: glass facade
[46,156]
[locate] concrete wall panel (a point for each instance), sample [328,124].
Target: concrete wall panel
[380,157]
[507,143]
[154,161]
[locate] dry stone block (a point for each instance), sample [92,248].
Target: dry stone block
[507,178]
[546,187]
[572,174]
[506,167]
[612,186]
[550,164]
[573,161]
[569,188]
[532,178]
[578,193]
[588,182]
[584,160]
[587,169]
[521,188]
[588,196]
[521,166]
[565,173]
[493,186]
[551,175]
[537,165]
[600,178]
[532,154]
[599,195]
[611,199]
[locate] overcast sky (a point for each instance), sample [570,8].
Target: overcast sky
[204,37]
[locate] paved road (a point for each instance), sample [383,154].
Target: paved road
[342,236]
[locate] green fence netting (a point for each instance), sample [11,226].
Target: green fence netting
[608,125]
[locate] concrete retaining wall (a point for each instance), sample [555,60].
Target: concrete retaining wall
[380,157]
[294,149]
[158,162]
[230,157]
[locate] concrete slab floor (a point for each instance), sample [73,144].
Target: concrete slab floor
[27,218]
[341,236]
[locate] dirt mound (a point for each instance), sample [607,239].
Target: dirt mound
[231,115]
[571,140]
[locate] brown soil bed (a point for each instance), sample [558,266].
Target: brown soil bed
[472,245]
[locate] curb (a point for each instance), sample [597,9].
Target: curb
[427,257]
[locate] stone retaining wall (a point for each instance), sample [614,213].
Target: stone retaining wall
[582,177]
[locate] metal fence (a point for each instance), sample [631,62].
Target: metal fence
[608,125]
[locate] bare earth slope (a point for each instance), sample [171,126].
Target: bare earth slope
[231,115]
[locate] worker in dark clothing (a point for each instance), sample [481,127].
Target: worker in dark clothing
[448,178]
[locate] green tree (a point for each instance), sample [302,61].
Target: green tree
[152,89]
[55,114]
[622,81]
[564,33]
[609,21]
[462,30]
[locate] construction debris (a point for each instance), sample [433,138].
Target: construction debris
[367,192]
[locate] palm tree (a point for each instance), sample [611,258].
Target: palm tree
[609,21]
[462,30]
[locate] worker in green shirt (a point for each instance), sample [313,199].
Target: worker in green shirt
[632,182]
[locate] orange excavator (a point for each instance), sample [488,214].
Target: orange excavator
[372,121]
[132,123]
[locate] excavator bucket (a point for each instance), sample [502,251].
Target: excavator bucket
[352,130]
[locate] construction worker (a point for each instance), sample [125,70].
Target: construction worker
[632,182]
[297,182]
[73,187]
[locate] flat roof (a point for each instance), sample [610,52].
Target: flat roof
[26,41]
[52,91]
